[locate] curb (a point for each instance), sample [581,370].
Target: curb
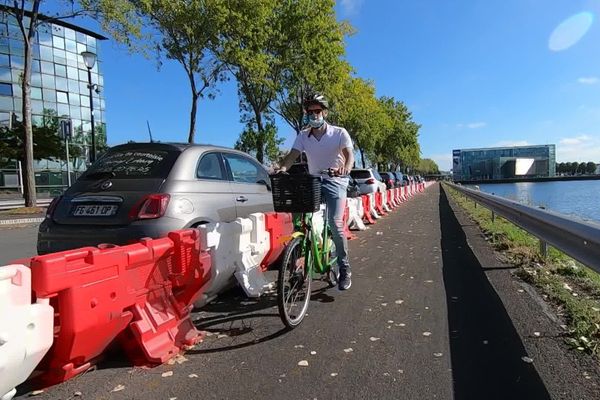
[20,221]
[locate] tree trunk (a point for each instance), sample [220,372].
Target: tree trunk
[28,175]
[260,140]
[362,157]
[192,133]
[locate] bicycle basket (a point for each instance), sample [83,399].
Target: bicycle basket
[296,193]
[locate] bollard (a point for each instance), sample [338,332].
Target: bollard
[493,216]
[543,249]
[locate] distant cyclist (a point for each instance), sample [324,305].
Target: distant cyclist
[327,146]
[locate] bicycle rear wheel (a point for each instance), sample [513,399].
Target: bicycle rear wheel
[294,284]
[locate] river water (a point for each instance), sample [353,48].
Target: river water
[575,198]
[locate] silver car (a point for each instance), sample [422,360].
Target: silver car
[369,180]
[141,190]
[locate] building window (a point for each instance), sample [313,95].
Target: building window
[6,89]
[61,70]
[62,97]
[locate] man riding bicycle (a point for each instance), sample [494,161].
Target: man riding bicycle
[327,147]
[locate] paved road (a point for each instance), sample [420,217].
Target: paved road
[422,321]
[17,242]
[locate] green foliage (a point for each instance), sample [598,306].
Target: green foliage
[187,32]
[428,167]
[359,112]
[399,145]
[572,168]
[46,142]
[313,59]
[248,141]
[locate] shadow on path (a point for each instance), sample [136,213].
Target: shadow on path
[486,349]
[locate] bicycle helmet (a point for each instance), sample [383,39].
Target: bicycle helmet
[316,99]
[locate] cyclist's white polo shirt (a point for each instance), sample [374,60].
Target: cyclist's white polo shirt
[326,152]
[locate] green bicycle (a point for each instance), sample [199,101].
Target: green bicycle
[310,254]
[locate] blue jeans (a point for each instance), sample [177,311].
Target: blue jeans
[333,191]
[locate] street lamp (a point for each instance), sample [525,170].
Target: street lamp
[89,59]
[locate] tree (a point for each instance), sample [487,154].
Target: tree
[359,112]
[46,142]
[590,167]
[188,32]
[399,146]
[428,167]
[277,50]
[313,60]
[560,167]
[248,140]
[114,15]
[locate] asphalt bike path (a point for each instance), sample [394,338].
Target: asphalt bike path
[421,321]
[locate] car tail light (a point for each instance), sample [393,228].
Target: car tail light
[52,207]
[150,207]
[370,181]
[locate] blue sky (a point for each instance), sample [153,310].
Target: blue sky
[474,73]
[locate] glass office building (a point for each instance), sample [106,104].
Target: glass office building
[504,162]
[59,88]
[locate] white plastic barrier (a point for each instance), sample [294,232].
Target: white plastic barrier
[236,250]
[384,196]
[26,330]
[372,206]
[249,273]
[354,218]
[318,221]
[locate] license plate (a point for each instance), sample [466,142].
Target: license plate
[95,210]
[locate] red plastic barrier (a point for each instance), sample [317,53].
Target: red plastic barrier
[366,202]
[98,294]
[421,187]
[397,196]
[280,228]
[390,198]
[349,235]
[379,203]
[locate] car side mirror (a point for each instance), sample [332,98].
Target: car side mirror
[263,182]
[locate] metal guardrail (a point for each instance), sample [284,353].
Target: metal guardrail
[10,204]
[578,239]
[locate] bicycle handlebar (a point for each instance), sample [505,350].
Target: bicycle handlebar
[333,173]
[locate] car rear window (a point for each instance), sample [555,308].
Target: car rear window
[140,163]
[376,174]
[360,174]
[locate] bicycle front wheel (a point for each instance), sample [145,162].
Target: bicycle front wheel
[294,284]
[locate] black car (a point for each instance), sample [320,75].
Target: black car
[389,179]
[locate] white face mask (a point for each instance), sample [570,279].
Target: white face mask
[316,121]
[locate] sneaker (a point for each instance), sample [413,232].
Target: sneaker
[345,282]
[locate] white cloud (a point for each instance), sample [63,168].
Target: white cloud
[471,125]
[511,143]
[575,141]
[578,148]
[476,125]
[588,80]
[351,6]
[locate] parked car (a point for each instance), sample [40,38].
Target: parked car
[399,178]
[368,180]
[147,189]
[389,179]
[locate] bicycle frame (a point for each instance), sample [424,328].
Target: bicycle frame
[320,261]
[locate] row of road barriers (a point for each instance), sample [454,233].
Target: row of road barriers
[59,312]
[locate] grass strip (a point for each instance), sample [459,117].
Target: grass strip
[570,286]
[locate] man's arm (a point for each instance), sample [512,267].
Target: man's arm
[288,160]
[349,161]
